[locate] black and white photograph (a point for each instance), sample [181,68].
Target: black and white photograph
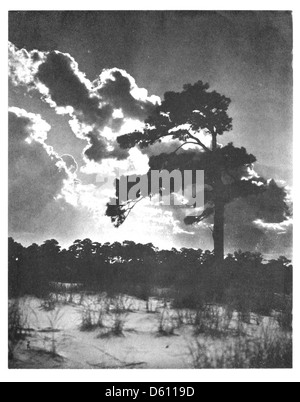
[150,190]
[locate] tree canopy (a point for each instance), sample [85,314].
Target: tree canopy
[183,118]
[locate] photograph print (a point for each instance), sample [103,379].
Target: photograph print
[150,190]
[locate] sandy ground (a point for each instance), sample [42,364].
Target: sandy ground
[140,346]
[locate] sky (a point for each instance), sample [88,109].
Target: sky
[79,79]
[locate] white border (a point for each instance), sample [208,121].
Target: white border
[139,375]
[154,5]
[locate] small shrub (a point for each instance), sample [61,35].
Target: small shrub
[246,300]
[117,327]
[87,323]
[271,352]
[150,307]
[54,319]
[285,317]
[122,304]
[81,299]
[94,313]
[166,324]
[209,320]
[70,298]
[118,324]
[228,316]
[185,317]
[48,305]
[117,309]
[244,316]
[16,325]
[263,302]
[268,352]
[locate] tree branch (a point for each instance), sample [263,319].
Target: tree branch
[131,208]
[198,142]
[182,145]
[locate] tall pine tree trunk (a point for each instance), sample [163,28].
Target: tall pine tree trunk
[218,233]
[219,218]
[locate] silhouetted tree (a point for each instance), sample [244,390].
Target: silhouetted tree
[182,117]
[49,254]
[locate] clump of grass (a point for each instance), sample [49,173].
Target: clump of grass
[122,304]
[145,293]
[166,323]
[118,313]
[48,304]
[272,351]
[150,307]
[268,352]
[185,317]
[116,330]
[121,307]
[258,300]
[69,297]
[285,316]
[102,309]
[211,320]
[118,324]
[54,319]
[81,299]
[87,323]
[16,324]
[94,313]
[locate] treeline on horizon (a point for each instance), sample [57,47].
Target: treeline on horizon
[142,270]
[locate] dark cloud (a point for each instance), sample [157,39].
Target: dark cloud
[58,73]
[68,87]
[117,91]
[106,103]
[249,226]
[98,149]
[262,222]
